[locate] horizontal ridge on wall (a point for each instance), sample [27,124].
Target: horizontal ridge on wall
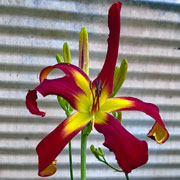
[33,32]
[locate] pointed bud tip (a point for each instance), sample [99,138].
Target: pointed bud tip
[83,34]
[84,50]
[84,29]
[92,148]
[59,58]
[125,61]
[66,53]
[65,44]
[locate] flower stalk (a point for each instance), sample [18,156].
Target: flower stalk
[127,177]
[84,135]
[70,160]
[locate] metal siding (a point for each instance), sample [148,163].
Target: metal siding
[32,32]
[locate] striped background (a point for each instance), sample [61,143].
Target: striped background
[32,32]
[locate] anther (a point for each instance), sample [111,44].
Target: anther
[90,85]
[98,88]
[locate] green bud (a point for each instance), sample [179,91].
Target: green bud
[92,148]
[94,151]
[114,114]
[119,76]
[65,103]
[62,102]
[59,58]
[71,109]
[67,113]
[66,53]
[119,116]
[100,152]
[66,58]
[84,50]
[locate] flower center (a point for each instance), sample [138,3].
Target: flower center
[96,95]
[95,106]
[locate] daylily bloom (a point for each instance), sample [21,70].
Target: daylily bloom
[93,104]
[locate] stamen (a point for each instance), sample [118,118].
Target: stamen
[98,88]
[90,85]
[96,106]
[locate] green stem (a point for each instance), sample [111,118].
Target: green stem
[70,152]
[127,177]
[70,160]
[112,167]
[83,154]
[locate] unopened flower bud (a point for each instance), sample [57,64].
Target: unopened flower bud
[118,115]
[59,58]
[119,76]
[66,53]
[84,50]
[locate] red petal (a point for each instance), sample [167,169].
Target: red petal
[158,131]
[130,152]
[75,74]
[67,68]
[53,144]
[31,103]
[160,134]
[107,73]
[74,87]
[64,87]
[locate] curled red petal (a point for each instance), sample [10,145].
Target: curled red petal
[69,69]
[77,76]
[107,73]
[159,133]
[63,87]
[31,103]
[130,152]
[54,143]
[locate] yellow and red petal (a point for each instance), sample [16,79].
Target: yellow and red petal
[64,87]
[158,131]
[75,73]
[107,73]
[49,171]
[130,152]
[52,145]
[115,104]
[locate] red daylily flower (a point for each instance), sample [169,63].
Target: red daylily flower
[92,102]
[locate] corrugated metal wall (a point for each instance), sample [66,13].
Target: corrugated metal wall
[33,31]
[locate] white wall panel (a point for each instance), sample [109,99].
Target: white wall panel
[32,32]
